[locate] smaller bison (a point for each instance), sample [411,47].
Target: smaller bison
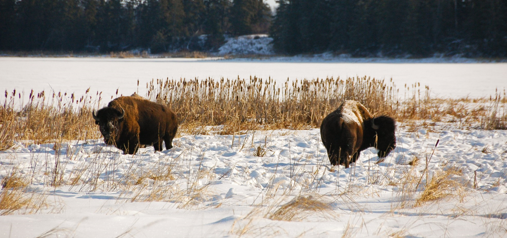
[132,122]
[351,129]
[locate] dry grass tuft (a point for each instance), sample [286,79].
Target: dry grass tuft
[408,185]
[301,207]
[185,54]
[159,183]
[496,117]
[440,186]
[128,54]
[12,200]
[20,200]
[414,162]
[13,181]
[16,196]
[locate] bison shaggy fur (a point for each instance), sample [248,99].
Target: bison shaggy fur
[132,122]
[351,128]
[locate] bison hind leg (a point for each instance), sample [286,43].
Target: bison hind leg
[335,155]
[158,145]
[333,159]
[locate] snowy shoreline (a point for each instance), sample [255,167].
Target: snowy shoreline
[254,57]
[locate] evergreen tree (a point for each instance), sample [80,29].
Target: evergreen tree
[174,16]
[261,18]
[7,24]
[194,22]
[315,26]
[241,17]
[364,38]
[493,27]
[285,29]
[417,33]
[151,24]
[217,22]
[341,20]
[90,24]
[249,16]
[32,23]
[392,14]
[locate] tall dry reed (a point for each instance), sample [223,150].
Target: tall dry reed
[45,118]
[256,103]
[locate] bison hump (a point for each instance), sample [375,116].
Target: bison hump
[354,112]
[352,117]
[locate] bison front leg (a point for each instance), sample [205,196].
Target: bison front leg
[130,146]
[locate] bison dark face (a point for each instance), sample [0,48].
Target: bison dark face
[386,139]
[109,120]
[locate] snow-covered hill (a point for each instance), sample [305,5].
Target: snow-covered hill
[247,45]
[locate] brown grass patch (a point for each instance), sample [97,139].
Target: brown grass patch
[46,119]
[184,54]
[16,198]
[300,208]
[441,186]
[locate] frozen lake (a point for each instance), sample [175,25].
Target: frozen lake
[74,75]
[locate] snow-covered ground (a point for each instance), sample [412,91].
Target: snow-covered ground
[219,186]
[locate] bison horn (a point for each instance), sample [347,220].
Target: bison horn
[122,114]
[373,125]
[95,116]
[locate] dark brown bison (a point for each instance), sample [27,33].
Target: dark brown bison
[131,122]
[351,129]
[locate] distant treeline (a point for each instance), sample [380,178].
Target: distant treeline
[473,28]
[117,25]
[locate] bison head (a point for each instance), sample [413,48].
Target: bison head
[108,119]
[384,127]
